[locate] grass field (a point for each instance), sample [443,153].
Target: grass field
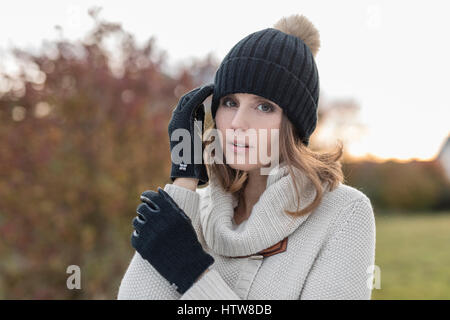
[413,253]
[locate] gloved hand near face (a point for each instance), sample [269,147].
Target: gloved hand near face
[190,108]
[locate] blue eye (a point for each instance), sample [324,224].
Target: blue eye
[224,102]
[268,108]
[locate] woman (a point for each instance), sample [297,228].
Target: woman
[296,232]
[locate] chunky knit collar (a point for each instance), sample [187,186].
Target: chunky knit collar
[268,223]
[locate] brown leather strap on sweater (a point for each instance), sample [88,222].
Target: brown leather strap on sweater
[276,248]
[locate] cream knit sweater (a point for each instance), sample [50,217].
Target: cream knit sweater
[330,251]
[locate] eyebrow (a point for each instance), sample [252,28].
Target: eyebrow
[252,97]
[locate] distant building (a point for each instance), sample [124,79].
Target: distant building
[444,157]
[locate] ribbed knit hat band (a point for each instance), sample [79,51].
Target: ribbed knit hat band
[277,66]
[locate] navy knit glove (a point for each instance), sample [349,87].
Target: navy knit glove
[165,237]
[190,107]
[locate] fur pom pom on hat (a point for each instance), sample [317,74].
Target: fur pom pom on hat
[278,64]
[300,27]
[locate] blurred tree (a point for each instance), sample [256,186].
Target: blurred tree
[83,133]
[338,119]
[405,187]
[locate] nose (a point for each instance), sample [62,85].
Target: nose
[240,120]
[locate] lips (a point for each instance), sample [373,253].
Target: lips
[241,145]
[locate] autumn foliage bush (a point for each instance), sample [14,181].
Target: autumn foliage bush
[81,139]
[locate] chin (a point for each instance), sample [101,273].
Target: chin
[244,166]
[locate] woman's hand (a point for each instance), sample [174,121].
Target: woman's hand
[189,112]
[165,237]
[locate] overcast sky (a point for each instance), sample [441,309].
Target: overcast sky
[392,57]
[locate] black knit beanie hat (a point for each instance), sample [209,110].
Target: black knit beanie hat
[279,66]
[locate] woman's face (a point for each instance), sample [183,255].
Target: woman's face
[240,119]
